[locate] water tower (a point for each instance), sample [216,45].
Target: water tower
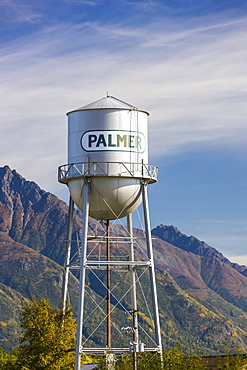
[107,175]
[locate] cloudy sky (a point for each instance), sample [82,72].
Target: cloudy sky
[184,61]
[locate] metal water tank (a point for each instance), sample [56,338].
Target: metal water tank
[108,144]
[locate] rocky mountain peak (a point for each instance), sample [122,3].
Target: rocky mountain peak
[188,243]
[27,212]
[172,235]
[12,185]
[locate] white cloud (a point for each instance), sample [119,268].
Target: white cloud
[16,11]
[193,82]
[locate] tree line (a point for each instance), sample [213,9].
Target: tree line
[47,342]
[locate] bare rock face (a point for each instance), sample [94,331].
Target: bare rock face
[19,199]
[188,243]
[32,216]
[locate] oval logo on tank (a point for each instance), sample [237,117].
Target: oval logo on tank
[114,140]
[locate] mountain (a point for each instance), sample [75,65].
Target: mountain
[202,295]
[211,270]
[34,217]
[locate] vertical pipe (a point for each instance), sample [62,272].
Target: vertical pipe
[133,290]
[108,285]
[67,255]
[82,272]
[151,268]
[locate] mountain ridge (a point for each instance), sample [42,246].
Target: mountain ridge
[214,270]
[193,307]
[192,244]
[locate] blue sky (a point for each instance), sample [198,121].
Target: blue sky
[183,61]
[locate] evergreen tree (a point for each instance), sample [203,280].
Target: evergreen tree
[48,339]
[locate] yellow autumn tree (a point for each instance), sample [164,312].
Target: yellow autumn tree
[48,338]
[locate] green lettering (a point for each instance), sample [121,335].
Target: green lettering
[101,140]
[121,139]
[138,142]
[110,140]
[91,140]
[131,144]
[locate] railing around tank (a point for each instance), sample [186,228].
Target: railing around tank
[115,169]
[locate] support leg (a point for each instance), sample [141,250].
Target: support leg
[82,273]
[151,269]
[108,285]
[133,289]
[67,256]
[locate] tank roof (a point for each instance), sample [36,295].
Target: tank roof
[108,102]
